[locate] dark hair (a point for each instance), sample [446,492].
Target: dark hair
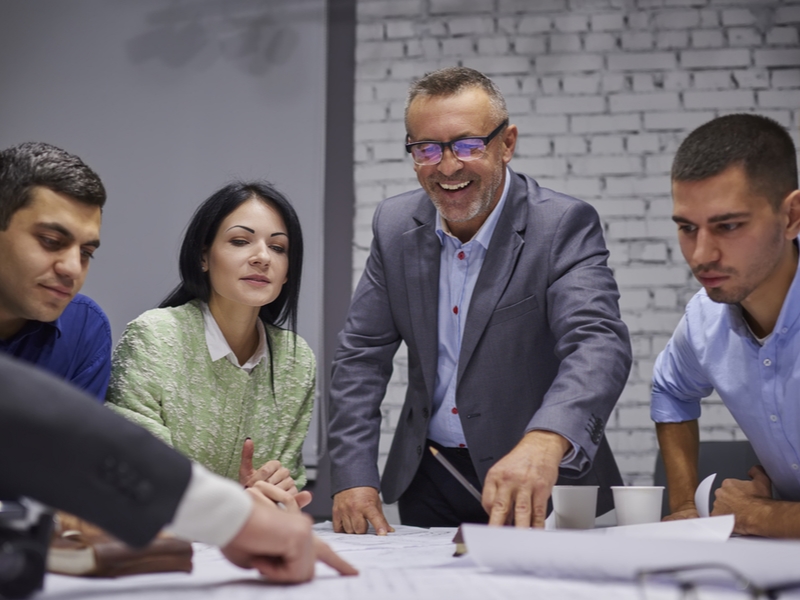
[202,230]
[760,145]
[32,164]
[452,80]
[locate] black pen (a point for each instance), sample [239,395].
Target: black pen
[454,472]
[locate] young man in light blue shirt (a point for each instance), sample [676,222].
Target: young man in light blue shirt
[737,207]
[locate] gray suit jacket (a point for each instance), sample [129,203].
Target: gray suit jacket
[58,446]
[543,346]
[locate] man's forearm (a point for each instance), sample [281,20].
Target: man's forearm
[680,443]
[770,518]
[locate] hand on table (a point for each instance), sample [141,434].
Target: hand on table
[280,543]
[356,508]
[518,486]
[271,471]
[686,511]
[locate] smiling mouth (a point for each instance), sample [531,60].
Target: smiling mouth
[452,187]
[59,292]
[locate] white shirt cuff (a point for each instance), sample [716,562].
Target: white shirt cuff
[212,510]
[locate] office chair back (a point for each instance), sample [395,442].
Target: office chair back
[728,459]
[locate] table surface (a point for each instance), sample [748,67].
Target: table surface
[412,563]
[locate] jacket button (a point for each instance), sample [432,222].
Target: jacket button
[419,450]
[425,412]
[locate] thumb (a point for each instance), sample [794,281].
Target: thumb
[246,466]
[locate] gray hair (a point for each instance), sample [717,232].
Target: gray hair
[452,80]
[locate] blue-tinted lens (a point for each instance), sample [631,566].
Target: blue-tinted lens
[425,154]
[468,148]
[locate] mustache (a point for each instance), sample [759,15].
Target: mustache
[713,268]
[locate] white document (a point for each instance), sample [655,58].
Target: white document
[712,529]
[587,555]
[702,496]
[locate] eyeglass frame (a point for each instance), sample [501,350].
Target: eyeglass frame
[484,139]
[746,586]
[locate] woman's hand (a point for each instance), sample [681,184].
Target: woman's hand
[271,471]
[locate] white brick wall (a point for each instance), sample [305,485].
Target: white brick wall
[602,97]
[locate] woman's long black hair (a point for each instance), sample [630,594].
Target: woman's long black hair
[200,235]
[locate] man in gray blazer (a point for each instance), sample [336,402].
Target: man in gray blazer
[516,350]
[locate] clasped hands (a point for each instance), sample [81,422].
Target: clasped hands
[516,489]
[735,497]
[277,538]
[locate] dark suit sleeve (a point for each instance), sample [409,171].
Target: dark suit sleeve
[592,343]
[362,368]
[61,448]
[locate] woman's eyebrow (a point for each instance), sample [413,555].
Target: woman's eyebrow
[242,226]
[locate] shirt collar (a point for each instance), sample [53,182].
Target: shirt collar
[484,234]
[218,346]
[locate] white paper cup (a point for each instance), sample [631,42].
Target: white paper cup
[637,504]
[574,506]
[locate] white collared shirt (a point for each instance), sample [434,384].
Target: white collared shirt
[218,346]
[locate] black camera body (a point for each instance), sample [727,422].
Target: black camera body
[25,530]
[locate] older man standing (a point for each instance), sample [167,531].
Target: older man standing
[517,354]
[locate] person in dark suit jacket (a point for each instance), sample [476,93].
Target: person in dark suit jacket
[61,448]
[516,350]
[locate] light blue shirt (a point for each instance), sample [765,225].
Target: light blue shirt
[458,272]
[714,349]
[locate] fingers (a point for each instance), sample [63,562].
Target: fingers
[355,508]
[276,495]
[326,555]
[303,498]
[375,516]
[246,464]
[759,475]
[271,472]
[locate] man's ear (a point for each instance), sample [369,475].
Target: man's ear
[791,205]
[509,142]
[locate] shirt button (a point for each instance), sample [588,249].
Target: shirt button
[455,310]
[461,255]
[773,418]
[795,467]
[767,362]
[454,410]
[784,330]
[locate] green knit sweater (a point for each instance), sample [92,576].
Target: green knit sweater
[163,378]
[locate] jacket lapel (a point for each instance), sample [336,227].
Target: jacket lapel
[422,250]
[498,267]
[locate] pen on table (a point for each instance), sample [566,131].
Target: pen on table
[454,472]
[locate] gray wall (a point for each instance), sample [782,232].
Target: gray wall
[168,101]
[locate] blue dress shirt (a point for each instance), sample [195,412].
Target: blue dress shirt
[76,346]
[459,267]
[713,348]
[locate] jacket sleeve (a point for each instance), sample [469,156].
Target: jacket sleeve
[362,367]
[73,454]
[591,341]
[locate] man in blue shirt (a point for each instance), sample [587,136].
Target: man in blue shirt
[50,212]
[737,207]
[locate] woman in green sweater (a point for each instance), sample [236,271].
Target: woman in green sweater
[211,371]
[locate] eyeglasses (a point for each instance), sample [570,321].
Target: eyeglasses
[704,581]
[464,149]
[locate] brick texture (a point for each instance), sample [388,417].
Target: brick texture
[602,92]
